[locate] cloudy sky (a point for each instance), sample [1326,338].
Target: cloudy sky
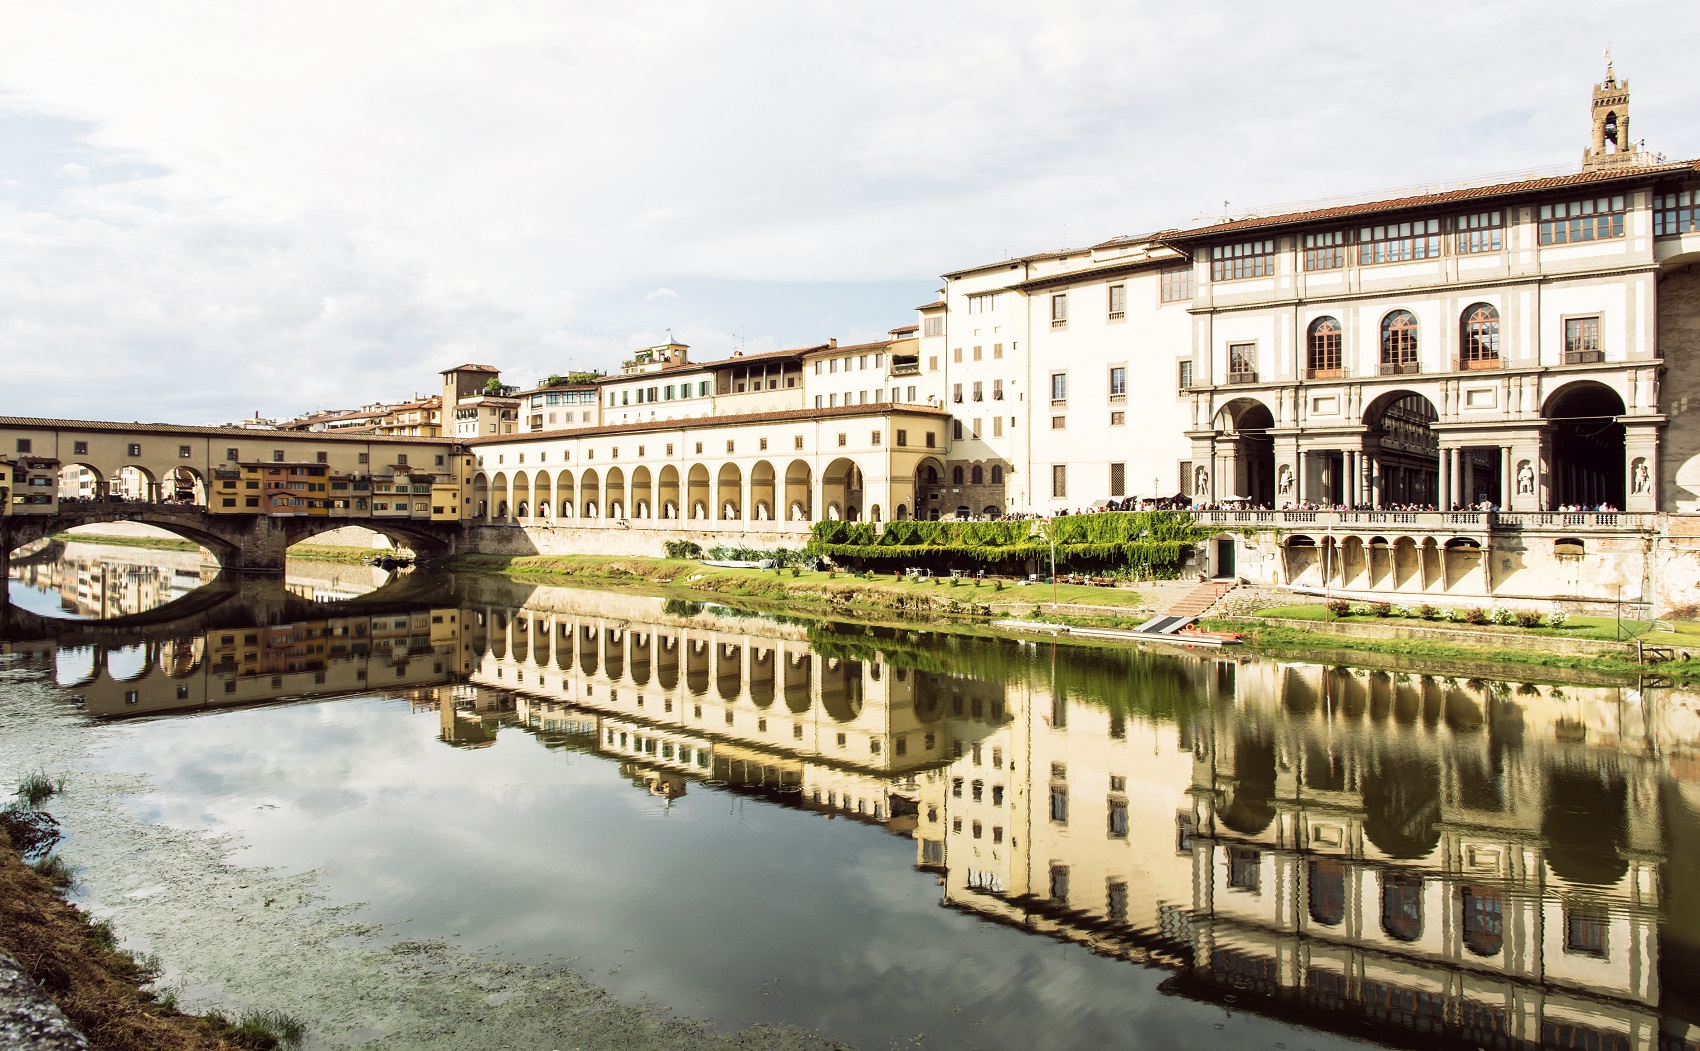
[208,210]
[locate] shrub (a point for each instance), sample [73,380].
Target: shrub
[1558,618]
[1381,609]
[796,571]
[36,789]
[1528,618]
[1361,609]
[682,549]
[1403,611]
[1503,617]
[1476,615]
[997,585]
[1427,612]
[1339,607]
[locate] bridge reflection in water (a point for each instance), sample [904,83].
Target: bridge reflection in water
[1422,860]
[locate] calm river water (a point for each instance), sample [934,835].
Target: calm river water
[890,837]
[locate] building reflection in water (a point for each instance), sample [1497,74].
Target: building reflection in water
[1423,860]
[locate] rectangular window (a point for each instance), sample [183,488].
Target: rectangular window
[25,445]
[932,326]
[796,443]
[956,355]
[135,448]
[82,449]
[1585,931]
[902,438]
[1242,363]
[1325,251]
[874,439]
[326,457]
[978,395]
[997,390]
[1185,378]
[1118,418]
[1059,423]
[978,353]
[1244,869]
[984,302]
[843,439]
[1186,477]
[1118,819]
[185,452]
[1676,213]
[1175,284]
[1118,479]
[1059,884]
[997,351]
[729,446]
[1059,481]
[1582,340]
[1479,232]
[1059,309]
[956,393]
[1118,300]
[1059,387]
[956,430]
[997,426]
[1115,900]
[277,455]
[1059,804]
[1118,381]
[1399,242]
[974,430]
[930,439]
[1247,259]
[1591,220]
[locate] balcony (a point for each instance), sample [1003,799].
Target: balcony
[1400,368]
[1242,377]
[1584,357]
[1435,521]
[1479,365]
[1336,373]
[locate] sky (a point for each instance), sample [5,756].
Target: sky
[209,211]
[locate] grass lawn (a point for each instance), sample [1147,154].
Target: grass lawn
[1682,633]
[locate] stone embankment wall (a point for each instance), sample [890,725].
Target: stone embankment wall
[627,538]
[29,1021]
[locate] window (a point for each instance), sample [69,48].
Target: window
[24,445]
[902,438]
[956,393]
[1582,340]
[1059,387]
[956,355]
[976,476]
[1403,905]
[1676,213]
[997,351]
[977,353]
[930,439]
[1175,284]
[364,457]
[1590,220]
[1325,251]
[1322,359]
[1118,418]
[956,430]
[1118,479]
[82,449]
[1059,481]
[932,326]
[1059,804]
[997,479]
[1059,884]
[1249,259]
[1115,900]
[325,458]
[135,449]
[1118,381]
[1480,337]
[184,452]
[1484,922]
[1244,869]
[997,426]
[1481,232]
[1398,242]
[401,459]
[997,390]
[1059,309]
[1584,931]
[277,454]
[874,438]
[1398,343]
[843,439]
[1118,819]
[1326,888]
[1059,423]
[730,445]
[1118,300]
[1185,375]
[978,394]
[984,302]
[1242,363]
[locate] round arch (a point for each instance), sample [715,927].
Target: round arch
[1586,435]
[667,493]
[729,493]
[1245,451]
[1401,437]
[590,493]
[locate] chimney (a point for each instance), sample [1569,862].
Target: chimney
[833,342]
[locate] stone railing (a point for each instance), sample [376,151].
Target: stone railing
[1509,521]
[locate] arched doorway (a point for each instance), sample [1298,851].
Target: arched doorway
[1245,452]
[1404,452]
[1585,445]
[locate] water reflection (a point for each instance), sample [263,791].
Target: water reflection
[1415,858]
[87,581]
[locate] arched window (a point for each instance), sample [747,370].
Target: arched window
[956,475]
[1398,343]
[1484,926]
[1402,905]
[1324,359]
[932,475]
[1327,891]
[997,474]
[1480,343]
[976,475]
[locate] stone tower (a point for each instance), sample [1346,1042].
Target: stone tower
[1612,145]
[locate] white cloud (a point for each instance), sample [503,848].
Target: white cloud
[662,293]
[320,203]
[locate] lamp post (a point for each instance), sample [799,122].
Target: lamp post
[1050,530]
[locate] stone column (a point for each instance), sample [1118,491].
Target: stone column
[1505,480]
[1444,483]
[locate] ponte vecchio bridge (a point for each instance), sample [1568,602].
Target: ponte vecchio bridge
[245,495]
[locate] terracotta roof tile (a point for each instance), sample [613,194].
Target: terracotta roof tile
[244,433]
[746,420]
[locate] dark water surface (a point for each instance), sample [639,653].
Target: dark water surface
[915,838]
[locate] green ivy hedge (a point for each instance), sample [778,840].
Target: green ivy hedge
[1151,543]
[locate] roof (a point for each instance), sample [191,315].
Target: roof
[902,330]
[736,358]
[748,419]
[241,433]
[876,345]
[471,368]
[1598,177]
[1128,266]
[940,305]
[554,386]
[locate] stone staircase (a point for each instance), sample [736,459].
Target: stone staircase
[1199,600]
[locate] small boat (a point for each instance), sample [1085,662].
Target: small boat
[728,563]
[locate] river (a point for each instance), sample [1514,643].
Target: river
[458,811]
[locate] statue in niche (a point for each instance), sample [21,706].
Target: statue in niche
[1525,479]
[1284,480]
[1642,479]
[1201,482]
